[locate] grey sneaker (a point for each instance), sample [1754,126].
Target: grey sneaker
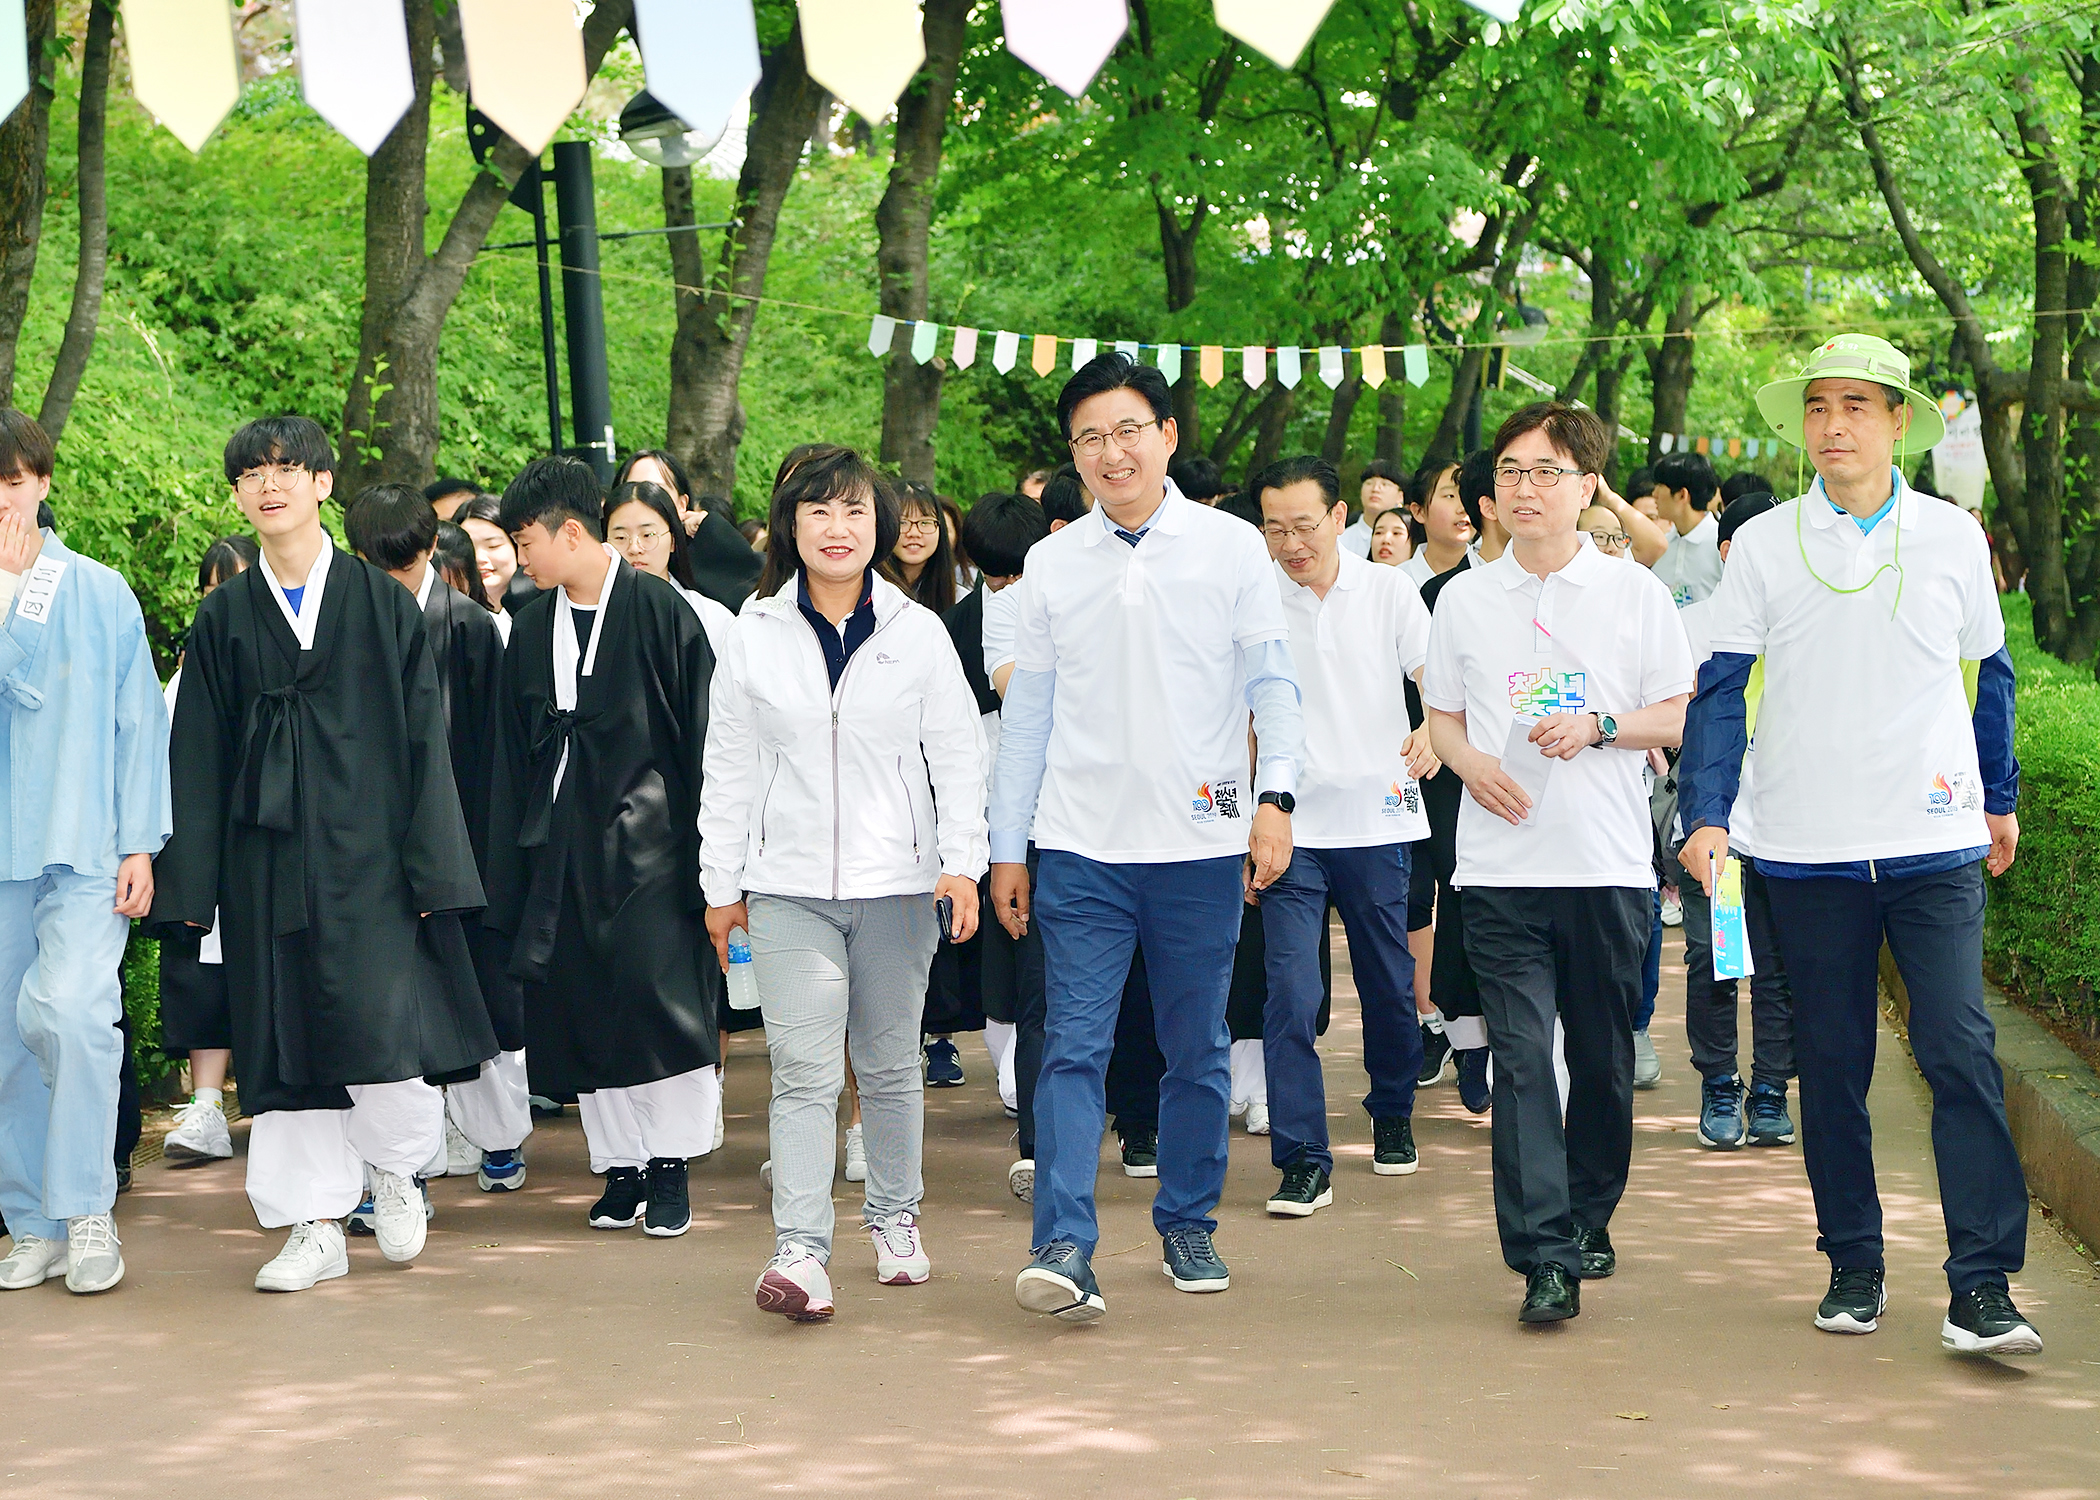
[32,1262]
[1647,1067]
[94,1263]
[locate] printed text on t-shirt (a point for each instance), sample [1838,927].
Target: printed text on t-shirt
[1533,695]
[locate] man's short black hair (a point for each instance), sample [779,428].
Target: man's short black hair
[287,439]
[1114,371]
[1064,497]
[1640,483]
[46,517]
[390,525]
[1744,482]
[442,489]
[1573,430]
[1747,508]
[1692,472]
[552,491]
[999,530]
[1285,472]
[1476,482]
[1198,478]
[25,448]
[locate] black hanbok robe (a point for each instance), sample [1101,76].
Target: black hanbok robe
[598,884]
[315,811]
[468,651]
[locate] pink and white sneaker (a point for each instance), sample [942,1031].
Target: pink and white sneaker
[796,1286]
[900,1255]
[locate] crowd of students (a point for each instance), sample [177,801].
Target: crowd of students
[530,800]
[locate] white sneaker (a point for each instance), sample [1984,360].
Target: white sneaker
[1647,1066]
[94,1261]
[316,1252]
[398,1215]
[900,1255]
[1673,912]
[856,1156]
[32,1262]
[200,1134]
[462,1156]
[1257,1117]
[1020,1179]
[795,1285]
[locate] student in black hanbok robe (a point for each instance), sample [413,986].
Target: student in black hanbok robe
[594,848]
[315,812]
[488,1117]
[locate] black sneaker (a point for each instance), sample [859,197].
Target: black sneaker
[1436,1056]
[1856,1299]
[1984,1321]
[1187,1255]
[626,1192]
[943,1065]
[1140,1150]
[1551,1295]
[1473,1079]
[1059,1282]
[1770,1124]
[1393,1147]
[1305,1190]
[124,1178]
[1599,1260]
[670,1205]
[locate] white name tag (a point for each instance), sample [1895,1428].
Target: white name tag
[40,588]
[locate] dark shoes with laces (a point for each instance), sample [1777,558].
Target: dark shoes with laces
[1187,1255]
[1551,1295]
[626,1195]
[1140,1150]
[1393,1146]
[1306,1189]
[670,1212]
[1599,1260]
[1984,1321]
[1856,1299]
[1059,1283]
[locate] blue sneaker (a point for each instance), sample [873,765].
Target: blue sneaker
[943,1065]
[1473,1079]
[1769,1122]
[1187,1255]
[501,1172]
[1721,1113]
[361,1220]
[1061,1283]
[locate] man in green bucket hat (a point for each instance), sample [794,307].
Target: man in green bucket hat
[1885,785]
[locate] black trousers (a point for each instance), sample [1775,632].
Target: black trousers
[1451,981]
[1832,931]
[1710,1003]
[1574,953]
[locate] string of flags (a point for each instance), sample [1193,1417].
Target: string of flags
[1717,447]
[1330,360]
[525,57]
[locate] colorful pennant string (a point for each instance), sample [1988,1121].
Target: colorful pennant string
[1278,29]
[183,66]
[1287,369]
[699,58]
[1043,359]
[965,352]
[1006,348]
[864,51]
[1066,41]
[353,66]
[525,60]
[1083,351]
[924,339]
[1254,366]
[1374,365]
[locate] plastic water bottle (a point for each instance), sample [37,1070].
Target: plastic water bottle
[743,976]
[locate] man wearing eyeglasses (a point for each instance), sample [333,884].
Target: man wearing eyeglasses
[1551,672]
[1146,633]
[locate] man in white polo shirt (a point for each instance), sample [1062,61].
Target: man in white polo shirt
[1145,634]
[1684,486]
[1885,785]
[1358,632]
[1551,672]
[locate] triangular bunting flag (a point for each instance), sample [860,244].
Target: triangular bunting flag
[14,56]
[699,57]
[1331,366]
[1278,29]
[1667,442]
[965,354]
[1066,41]
[1374,365]
[525,58]
[924,339]
[864,51]
[1170,363]
[1415,360]
[353,66]
[882,333]
[1211,363]
[1130,348]
[1043,359]
[1287,368]
[1006,348]
[1083,351]
[1704,445]
[183,67]
[1735,447]
[1254,366]
[1751,448]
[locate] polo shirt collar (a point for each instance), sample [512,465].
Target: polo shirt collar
[1823,512]
[1708,528]
[1352,572]
[1579,569]
[1171,517]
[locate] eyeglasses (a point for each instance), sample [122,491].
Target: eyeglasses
[1610,541]
[1123,434]
[925,525]
[647,536]
[1304,533]
[1543,476]
[283,476]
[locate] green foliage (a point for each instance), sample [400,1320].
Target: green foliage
[2042,936]
[140,974]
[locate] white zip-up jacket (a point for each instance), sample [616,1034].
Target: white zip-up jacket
[877,789]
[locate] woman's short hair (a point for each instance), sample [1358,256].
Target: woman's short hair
[812,475]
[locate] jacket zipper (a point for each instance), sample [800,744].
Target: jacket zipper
[910,809]
[836,856]
[765,802]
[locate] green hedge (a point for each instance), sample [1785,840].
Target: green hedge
[2042,939]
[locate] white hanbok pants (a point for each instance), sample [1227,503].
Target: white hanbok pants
[673,1117]
[306,1164]
[494,1111]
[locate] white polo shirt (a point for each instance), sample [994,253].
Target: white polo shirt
[1866,746]
[1147,759]
[1596,636]
[1355,651]
[1697,620]
[1001,610]
[1691,564]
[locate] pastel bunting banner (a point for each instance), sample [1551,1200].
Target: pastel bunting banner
[1415,359]
[924,340]
[183,66]
[1666,442]
[1254,366]
[1278,29]
[1374,365]
[1006,348]
[1210,365]
[1287,369]
[1083,351]
[353,66]
[1331,366]
[965,352]
[1043,358]
[14,56]
[1066,41]
[882,333]
[1129,349]
[1170,363]
[525,60]
[864,51]
[699,58]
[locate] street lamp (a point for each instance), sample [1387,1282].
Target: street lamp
[660,138]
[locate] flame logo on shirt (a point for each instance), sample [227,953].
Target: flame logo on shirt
[1941,795]
[1203,803]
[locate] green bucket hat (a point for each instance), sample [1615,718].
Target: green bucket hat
[1862,357]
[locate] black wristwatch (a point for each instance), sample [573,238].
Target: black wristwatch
[1607,730]
[1284,802]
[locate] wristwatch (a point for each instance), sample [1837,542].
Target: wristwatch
[1607,730]
[1283,802]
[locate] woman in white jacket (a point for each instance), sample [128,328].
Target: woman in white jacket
[844,798]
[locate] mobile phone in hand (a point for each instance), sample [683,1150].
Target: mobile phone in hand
[944,911]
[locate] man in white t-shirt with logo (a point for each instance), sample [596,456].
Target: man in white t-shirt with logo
[1145,635]
[1885,785]
[1551,672]
[1358,633]
[1684,487]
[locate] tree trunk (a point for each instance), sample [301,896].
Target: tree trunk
[1272,421]
[390,413]
[93,195]
[452,48]
[1671,372]
[706,420]
[1177,253]
[911,392]
[23,140]
[1334,447]
[1611,380]
[1391,441]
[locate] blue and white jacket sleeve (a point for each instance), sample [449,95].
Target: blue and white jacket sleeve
[1993,723]
[1716,738]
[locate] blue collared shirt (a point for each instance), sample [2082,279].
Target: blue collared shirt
[839,644]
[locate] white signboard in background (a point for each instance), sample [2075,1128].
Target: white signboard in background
[1958,466]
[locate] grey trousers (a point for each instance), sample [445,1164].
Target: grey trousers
[832,974]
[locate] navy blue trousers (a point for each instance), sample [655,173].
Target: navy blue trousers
[1831,932]
[1369,887]
[1093,916]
